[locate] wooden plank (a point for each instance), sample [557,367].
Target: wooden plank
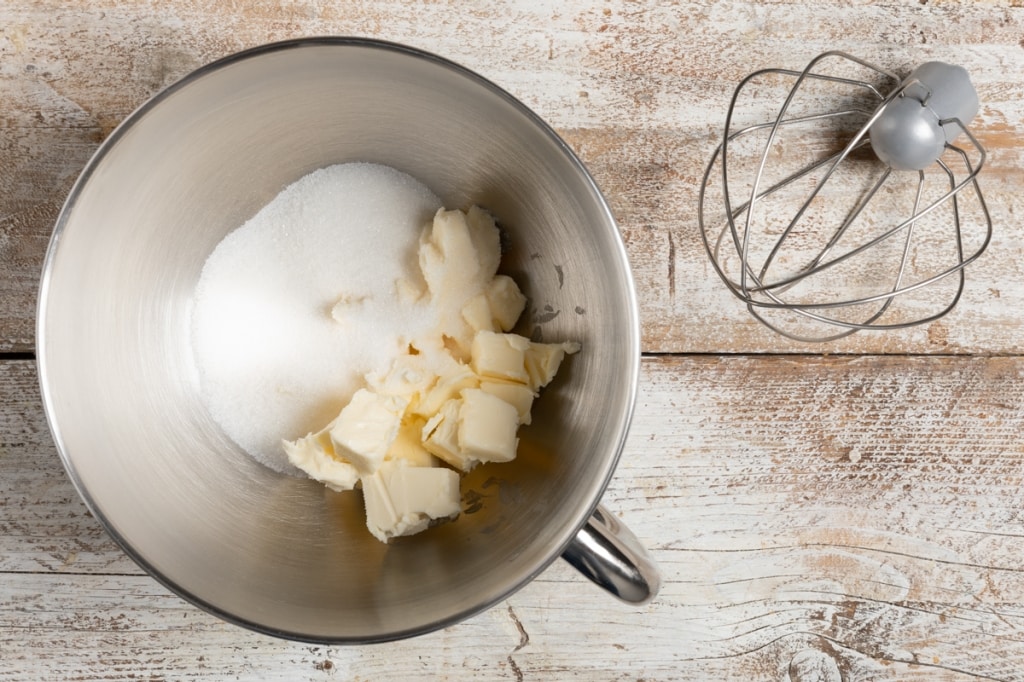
[44,526]
[639,90]
[129,626]
[889,487]
[816,517]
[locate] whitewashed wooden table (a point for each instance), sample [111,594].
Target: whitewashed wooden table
[848,511]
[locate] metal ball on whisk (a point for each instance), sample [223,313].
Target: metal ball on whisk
[816,233]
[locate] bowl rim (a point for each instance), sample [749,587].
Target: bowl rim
[568,533]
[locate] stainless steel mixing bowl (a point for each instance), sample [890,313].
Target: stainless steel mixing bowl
[285,555]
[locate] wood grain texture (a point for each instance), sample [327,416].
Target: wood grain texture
[845,512]
[853,518]
[638,89]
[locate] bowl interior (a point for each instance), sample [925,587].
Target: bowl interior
[281,554]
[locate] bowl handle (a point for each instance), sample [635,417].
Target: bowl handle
[610,555]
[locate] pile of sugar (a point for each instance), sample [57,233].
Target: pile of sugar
[273,362]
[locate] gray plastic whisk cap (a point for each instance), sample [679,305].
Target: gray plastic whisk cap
[909,134]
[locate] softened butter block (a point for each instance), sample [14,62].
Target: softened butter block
[487,428]
[366,428]
[441,434]
[448,257]
[431,491]
[314,454]
[477,314]
[542,361]
[506,302]
[486,241]
[515,394]
[403,500]
[501,356]
[381,516]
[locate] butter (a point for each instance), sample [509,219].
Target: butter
[444,245]
[487,428]
[543,360]
[473,429]
[454,400]
[497,308]
[459,255]
[501,356]
[366,428]
[486,242]
[314,454]
[517,395]
[505,302]
[477,314]
[403,500]
[441,434]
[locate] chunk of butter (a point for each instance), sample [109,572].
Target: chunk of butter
[543,360]
[497,307]
[477,314]
[515,394]
[486,241]
[441,434]
[502,356]
[403,500]
[505,300]
[366,428]
[475,428]
[459,255]
[314,454]
[448,257]
[487,428]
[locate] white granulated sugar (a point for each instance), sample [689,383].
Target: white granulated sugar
[273,362]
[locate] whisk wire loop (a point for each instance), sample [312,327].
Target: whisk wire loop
[762,293]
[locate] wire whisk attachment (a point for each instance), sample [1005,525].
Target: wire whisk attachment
[857,206]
